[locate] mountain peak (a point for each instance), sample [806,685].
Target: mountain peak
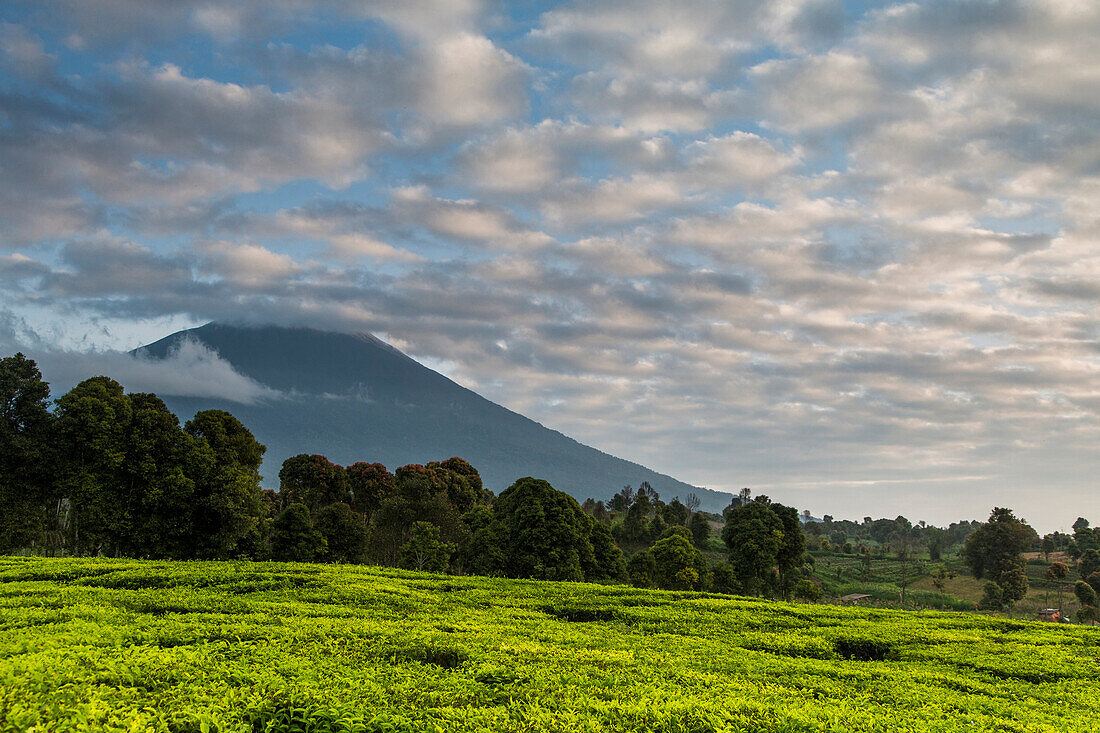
[353,397]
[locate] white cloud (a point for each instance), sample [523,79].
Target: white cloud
[857,246]
[190,370]
[467,81]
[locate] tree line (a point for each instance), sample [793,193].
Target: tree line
[102,471]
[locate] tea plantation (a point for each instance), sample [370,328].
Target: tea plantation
[122,645]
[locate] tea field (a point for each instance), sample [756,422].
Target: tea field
[122,645]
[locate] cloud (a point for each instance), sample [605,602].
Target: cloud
[189,370]
[801,244]
[467,81]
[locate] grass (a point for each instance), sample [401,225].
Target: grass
[123,645]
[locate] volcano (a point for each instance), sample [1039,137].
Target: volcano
[352,397]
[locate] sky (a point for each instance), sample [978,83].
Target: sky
[843,253]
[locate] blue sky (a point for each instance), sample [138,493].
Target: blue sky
[843,253]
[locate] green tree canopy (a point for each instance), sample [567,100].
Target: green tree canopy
[293,536]
[678,565]
[227,505]
[699,528]
[608,563]
[93,420]
[426,550]
[994,551]
[754,536]
[160,470]
[28,461]
[345,532]
[543,532]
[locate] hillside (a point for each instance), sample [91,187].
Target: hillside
[355,398]
[123,645]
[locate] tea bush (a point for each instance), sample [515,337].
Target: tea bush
[192,647]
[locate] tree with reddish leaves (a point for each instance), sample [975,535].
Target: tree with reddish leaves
[461,481]
[370,484]
[313,480]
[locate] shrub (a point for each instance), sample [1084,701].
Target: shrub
[992,598]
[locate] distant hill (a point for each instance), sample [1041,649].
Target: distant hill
[355,398]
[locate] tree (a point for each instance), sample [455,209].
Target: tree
[313,480]
[294,538]
[28,487]
[545,533]
[992,597]
[392,523]
[1087,597]
[675,513]
[369,484]
[159,472]
[808,590]
[677,564]
[636,525]
[227,506]
[92,422]
[754,536]
[1058,571]
[1089,562]
[994,551]
[642,569]
[345,532]
[699,528]
[608,563]
[792,547]
[1048,546]
[723,579]
[461,481]
[425,550]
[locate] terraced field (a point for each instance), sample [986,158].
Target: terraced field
[118,645]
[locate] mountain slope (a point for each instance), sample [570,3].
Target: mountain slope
[355,398]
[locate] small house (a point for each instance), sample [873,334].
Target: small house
[1050,614]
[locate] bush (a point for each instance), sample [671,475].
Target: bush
[865,650]
[1085,593]
[807,590]
[993,597]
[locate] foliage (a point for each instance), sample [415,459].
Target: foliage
[123,645]
[993,597]
[808,590]
[92,422]
[1089,562]
[677,565]
[425,550]
[314,481]
[27,463]
[227,507]
[723,579]
[766,544]
[1085,593]
[543,532]
[642,569]
[345,532]
[608,563]
[294,537]
[700,529]
[370,484]
[993,551]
